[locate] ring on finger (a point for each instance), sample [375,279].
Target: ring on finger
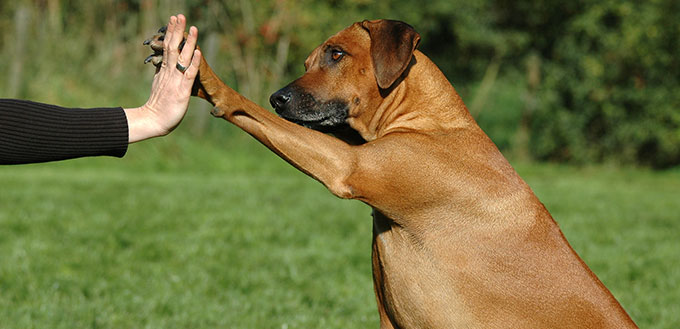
[181,67]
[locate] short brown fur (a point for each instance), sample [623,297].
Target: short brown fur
[460,240]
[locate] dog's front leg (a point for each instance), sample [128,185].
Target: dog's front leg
[325,158]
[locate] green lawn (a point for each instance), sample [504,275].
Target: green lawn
[186,233]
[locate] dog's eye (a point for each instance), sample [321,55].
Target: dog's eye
[336,55]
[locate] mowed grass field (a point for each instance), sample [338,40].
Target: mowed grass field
[218,232]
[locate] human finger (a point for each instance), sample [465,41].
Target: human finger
[192,70]
[166,40]
[189,46]
[176,37]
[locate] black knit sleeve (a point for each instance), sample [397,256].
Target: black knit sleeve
[34,132]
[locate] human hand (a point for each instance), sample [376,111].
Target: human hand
[171,88]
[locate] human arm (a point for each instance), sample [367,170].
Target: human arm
[34,132]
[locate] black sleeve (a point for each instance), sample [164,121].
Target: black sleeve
[34,132]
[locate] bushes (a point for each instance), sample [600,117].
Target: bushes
[611,89]
[578,81]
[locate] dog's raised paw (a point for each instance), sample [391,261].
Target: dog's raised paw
[156,44]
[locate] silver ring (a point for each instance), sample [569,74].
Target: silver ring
[181,67]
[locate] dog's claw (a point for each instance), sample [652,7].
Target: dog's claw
[162,31]
[156,44]
[156,59]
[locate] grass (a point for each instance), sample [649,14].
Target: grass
[218,232]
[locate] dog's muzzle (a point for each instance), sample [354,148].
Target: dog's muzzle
[295,104]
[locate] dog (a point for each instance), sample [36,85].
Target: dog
[459,239]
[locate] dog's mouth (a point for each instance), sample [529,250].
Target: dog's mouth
[304,122]
[322,116]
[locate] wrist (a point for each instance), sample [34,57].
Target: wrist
[141,125]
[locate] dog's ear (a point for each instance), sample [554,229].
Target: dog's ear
[392,46]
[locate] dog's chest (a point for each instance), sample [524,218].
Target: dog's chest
[413,289]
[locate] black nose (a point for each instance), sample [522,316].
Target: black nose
[280,99]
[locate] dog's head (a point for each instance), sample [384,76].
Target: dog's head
[347,74]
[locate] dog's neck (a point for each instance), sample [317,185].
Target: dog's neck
[404,109]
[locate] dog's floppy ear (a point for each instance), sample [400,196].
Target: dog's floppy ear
[392,46]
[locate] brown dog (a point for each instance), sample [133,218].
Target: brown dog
[459,239]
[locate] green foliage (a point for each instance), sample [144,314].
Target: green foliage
[606,87]
[611,87]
